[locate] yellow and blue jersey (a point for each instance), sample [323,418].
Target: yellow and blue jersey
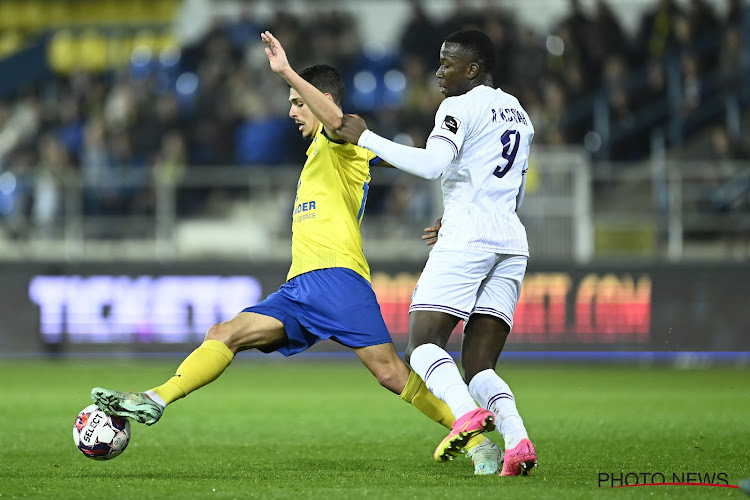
[329,207]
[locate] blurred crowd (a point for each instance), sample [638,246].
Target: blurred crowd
[216,102]
[588,55]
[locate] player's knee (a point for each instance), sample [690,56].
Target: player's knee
[391,380]
[227,334]
[221,332]
[243,335]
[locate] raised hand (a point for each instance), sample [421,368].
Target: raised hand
[275,52]
[431,233]
[351,129]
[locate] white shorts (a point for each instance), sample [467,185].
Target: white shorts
[465,282]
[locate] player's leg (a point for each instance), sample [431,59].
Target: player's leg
[392,373]
[205,364]
[385,364]
[446,292]
[428,333]
[484,338]
[264,326]
[247,330]
[482,342]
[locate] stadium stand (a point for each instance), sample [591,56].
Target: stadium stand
[130,102]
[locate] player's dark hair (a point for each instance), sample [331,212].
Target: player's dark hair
[478,45]
[327,79]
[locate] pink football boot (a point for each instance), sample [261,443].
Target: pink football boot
[520,460]
[469,425]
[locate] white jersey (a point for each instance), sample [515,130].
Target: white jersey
[490,133]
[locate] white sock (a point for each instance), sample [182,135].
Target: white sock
[156,398]
[442,378]
[494,394]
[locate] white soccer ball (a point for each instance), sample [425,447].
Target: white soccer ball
[100,436]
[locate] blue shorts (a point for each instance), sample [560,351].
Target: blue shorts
[334,303]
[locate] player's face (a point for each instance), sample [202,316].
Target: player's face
[453,72]
[302,116]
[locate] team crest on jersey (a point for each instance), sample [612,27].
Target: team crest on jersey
[451,123]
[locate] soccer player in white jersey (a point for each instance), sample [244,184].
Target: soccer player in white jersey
[480,146]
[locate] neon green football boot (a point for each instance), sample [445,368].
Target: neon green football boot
[134,405]
[486,457]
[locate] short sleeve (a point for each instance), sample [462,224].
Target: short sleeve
[451,123]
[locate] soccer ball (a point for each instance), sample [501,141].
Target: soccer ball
[100,436]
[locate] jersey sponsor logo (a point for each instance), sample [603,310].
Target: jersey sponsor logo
[451,124]
[300,218]
[304,207]
[308,206]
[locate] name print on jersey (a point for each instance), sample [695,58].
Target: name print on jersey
[510,115]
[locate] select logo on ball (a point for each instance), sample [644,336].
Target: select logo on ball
[100,436]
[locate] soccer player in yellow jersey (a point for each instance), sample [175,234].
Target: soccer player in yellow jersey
[327,294]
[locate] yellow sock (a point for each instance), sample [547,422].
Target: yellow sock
[202,366]
[417,393]
[474,442]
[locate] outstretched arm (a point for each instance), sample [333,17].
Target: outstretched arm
[427,163]
[320,104]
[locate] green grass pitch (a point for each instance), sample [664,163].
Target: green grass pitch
[312,428]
